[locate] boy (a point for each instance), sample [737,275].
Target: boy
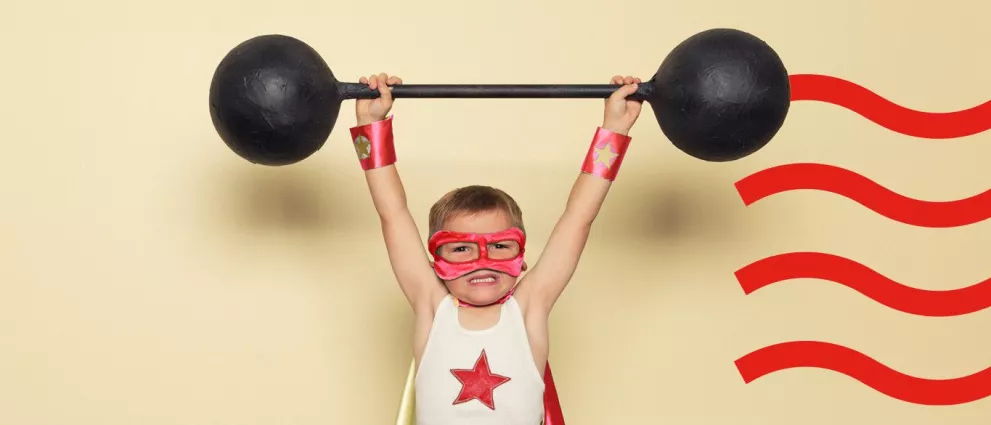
[485,364]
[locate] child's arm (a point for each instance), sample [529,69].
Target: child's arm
[410,263]
[557,264]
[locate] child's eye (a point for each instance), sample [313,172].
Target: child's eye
[500,246]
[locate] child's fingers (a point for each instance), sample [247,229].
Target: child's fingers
[626,90]
[616,79]
[619,95]
[384,91]
[363,80]
[394,81]
[373,82]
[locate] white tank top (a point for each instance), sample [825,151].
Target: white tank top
[483,377]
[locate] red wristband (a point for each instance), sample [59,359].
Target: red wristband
[606,153]
[373,143]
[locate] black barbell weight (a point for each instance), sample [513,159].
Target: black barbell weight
[720,95]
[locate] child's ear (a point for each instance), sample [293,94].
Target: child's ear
[524,266]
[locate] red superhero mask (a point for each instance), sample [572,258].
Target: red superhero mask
[457,254]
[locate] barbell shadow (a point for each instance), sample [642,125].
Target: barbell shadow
[671,209]
[668,208]
[320,215]
[297,200]
[309,210]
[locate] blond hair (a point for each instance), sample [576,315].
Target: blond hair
[471,200]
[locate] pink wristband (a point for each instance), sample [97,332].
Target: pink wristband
[606,153]
[373,143]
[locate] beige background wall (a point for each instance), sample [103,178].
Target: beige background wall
[149,276]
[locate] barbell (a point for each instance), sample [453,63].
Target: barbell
[720,95]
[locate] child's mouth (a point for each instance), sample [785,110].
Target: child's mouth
[483,279]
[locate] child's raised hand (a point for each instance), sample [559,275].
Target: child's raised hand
[622,113]
[372,110]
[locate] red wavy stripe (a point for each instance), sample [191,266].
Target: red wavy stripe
[930,125]
[881,378]
[865,192]
[856,276]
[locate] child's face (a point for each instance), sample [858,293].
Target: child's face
[485,286]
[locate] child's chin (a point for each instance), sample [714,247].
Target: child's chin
[493,292]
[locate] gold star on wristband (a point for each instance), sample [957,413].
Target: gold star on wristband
[362,147]
[605,155]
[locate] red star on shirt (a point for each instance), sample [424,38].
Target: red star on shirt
[478,383]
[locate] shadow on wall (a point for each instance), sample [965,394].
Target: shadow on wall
[675,208]
[316,215]
[307,207]
[321,212]
[300,200]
